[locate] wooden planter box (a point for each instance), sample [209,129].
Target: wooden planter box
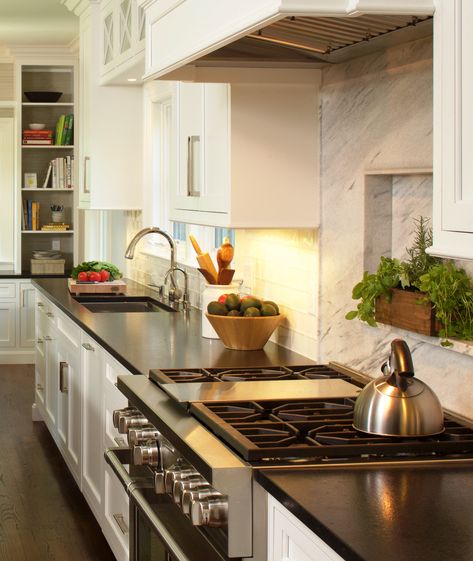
[405,312]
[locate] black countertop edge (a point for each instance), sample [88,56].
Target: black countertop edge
[315,525]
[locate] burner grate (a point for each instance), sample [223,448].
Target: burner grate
[252,374]
[320,431]
[310,410]
[180,376]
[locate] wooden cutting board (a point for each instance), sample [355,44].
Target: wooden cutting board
[109,287]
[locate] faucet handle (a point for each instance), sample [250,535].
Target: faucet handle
[175,294]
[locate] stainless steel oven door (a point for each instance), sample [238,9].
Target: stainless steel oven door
[159,531]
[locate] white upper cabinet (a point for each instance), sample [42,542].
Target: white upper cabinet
[248,152]
[453,130]
[181,31]
[123,45]
[110,166]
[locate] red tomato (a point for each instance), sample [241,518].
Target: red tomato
[82,276]
[94,277]
[104,275]
[222,298]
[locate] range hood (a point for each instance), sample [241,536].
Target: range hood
[276,32]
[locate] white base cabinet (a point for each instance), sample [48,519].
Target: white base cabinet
[17,321]
[75,394]
[290,540]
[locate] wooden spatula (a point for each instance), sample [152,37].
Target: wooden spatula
[204,260]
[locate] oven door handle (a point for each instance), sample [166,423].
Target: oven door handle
[116,458]
[153,520]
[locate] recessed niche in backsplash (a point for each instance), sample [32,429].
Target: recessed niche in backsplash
[392,201]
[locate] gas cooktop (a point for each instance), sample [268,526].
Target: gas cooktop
[305,430]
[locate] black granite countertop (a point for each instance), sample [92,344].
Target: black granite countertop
[141,341]
[27,275]
[402,513]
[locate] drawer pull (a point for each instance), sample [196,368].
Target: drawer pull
[47,338]
[120,442]
[39,340]
[62,377]
[39,387]
[50,314]
[88,347]
[40,305]
[120,520]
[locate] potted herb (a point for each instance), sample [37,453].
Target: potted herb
[423,294]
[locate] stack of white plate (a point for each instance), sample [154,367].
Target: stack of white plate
[37,254]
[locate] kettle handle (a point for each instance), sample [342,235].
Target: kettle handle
[401,359]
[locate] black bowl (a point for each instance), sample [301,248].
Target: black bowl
[43,97]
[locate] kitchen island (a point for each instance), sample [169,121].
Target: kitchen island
[363,513]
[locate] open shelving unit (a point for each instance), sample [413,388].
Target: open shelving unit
[55,76]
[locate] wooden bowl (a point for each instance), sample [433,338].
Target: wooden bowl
[244,333]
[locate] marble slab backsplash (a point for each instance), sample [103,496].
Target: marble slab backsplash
[376,114]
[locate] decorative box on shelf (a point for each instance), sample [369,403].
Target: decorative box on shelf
[407,311]
[47,266]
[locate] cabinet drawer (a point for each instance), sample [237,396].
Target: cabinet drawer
[116,516]
[7,290]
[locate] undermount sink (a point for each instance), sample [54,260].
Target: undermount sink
[121,304]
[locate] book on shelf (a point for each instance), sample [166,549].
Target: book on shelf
[59,130]
[30,215]
[48,175]
[68,128]
[64,130]
[37,137]
[38,142]
[60,174]
[55,226]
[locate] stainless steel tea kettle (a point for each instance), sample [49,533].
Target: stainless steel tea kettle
[397,404]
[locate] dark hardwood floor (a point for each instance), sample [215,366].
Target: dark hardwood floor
[43,515]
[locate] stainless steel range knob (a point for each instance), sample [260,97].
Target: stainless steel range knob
[147,455]
[125,412]
[211,511]
[137,421]
[181,485]
[190,495]
[141,436]
[175,473]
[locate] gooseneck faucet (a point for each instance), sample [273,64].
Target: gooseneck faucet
[130,250]
[174,293]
